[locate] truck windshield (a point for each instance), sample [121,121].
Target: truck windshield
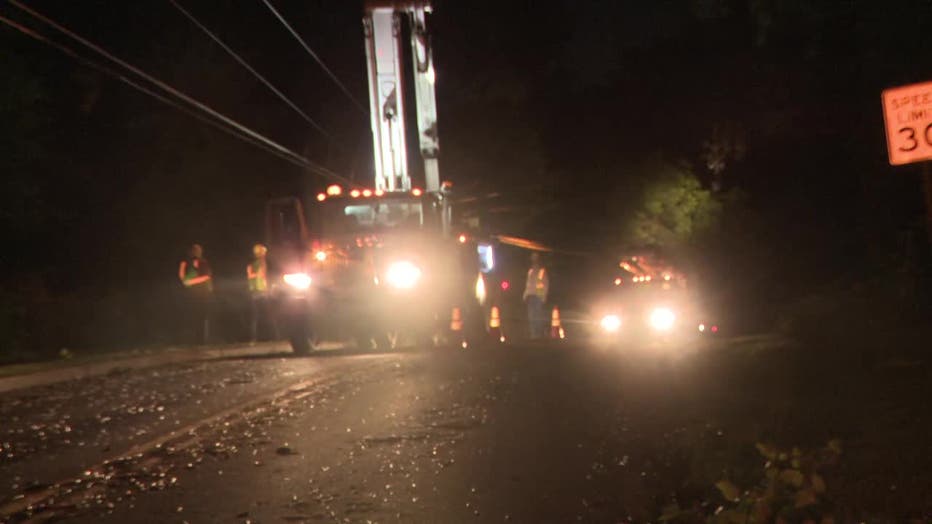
[375,215]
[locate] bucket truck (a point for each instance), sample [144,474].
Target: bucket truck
[383,264]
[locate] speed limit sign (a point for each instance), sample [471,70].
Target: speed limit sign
[907,113]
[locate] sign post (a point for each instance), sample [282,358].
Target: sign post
[907,114]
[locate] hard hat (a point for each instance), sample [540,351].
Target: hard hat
[259,250]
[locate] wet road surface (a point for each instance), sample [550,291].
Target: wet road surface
[558,433]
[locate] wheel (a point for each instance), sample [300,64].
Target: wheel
[299,337]
[300,345]
[382,341]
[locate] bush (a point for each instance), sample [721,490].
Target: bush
[792,489]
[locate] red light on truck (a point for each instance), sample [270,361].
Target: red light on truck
[505,285]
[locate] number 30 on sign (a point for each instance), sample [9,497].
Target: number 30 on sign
[907,113]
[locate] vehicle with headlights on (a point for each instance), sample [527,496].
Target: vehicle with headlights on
[368,266]
[649,308]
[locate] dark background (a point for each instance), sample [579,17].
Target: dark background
[572,108]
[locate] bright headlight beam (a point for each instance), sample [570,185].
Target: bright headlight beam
[297,280]
[403,275]
[662,319]
[610,323]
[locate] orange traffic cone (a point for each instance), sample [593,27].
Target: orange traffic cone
[495,325]
[456,328]
[556,330]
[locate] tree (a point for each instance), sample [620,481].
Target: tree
[675,210]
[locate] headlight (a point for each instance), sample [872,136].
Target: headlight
[297,280]
[662,319]
[610,323]
[403,275]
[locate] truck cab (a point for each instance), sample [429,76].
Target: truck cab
[377,268]
[650,301]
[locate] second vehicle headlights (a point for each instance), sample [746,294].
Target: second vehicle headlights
[662,319]
[403,275]
[610,323]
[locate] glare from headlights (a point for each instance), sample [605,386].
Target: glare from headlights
[480,290]
[610,323]
[297,280]
[403,275]
[662,319]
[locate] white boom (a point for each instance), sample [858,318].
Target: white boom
[383,28]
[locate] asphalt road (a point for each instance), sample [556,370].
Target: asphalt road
[547,433]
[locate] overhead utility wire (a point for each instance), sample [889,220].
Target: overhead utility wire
[249,68]
[315,57]
[311,166]
[106,70]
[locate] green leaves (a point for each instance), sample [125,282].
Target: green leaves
[675,209]
[731,492]
[805,498]
[791,489]
[767,451]
[793,477]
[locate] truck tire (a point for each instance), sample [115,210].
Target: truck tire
[300,345]
[299,336]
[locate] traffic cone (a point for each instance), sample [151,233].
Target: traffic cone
[495,325]
[456,328]
[556,330]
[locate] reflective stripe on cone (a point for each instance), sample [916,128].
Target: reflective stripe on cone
[495,325]
[456,320]
[456,328]
[556,329]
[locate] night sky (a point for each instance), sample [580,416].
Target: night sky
[561,103]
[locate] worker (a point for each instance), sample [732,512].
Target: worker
[257,274]
[195,274]
[535,295]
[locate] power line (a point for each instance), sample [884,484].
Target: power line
[249,68]
[110,72]
[315,57]
[311,166]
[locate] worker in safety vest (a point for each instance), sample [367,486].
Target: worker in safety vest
[195,274]
[257,274]
[535,295]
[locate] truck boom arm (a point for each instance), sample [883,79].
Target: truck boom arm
[383,28]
